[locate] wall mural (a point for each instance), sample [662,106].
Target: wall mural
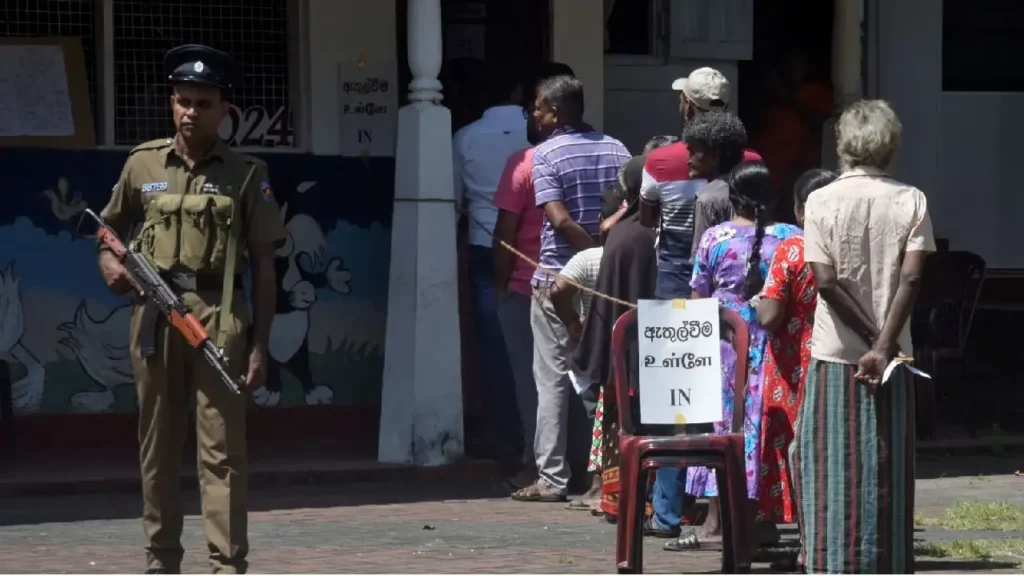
[64,336]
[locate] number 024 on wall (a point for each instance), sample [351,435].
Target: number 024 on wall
[680,361]
[256,127]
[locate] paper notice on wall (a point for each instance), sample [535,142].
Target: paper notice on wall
[34,95]
[367,107]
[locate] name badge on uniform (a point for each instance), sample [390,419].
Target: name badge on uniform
[154,187]
[209,188]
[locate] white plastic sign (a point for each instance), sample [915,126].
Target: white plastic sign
[680,361]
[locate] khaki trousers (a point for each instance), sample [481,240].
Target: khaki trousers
[166,382]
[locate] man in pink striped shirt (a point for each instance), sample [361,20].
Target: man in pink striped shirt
[519,224]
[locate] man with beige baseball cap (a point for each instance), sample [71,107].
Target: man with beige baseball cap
[704,89]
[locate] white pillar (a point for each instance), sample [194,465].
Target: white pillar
[421,403]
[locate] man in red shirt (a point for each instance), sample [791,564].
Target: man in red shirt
[674,202]
[682,207]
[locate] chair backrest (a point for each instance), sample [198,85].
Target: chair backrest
[625,340]
[949,295]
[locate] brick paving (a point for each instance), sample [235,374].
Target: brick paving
[451,526]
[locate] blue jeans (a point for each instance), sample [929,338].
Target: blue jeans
[669,487]
[497,382]
[669,495]
[673,281]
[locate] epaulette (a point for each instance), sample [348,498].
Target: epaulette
[152,145]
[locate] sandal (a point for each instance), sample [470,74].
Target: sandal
[535,493]
[689,541]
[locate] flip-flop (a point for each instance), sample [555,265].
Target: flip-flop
[534,494]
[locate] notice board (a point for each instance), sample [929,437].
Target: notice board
[44,94]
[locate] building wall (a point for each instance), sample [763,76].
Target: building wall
[577,35]
[65,336]
[959,148]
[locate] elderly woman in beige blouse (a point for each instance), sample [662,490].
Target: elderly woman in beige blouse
[866,238]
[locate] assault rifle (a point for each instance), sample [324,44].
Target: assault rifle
[150,285]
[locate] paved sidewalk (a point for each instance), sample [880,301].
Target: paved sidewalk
[440,526]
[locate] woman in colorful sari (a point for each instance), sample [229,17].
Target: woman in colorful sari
[731,265]
[786,311]
[866,238]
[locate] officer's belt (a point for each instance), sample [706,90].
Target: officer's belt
[181,282]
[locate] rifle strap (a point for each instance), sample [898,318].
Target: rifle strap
[224,321]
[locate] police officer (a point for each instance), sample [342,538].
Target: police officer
[194,207]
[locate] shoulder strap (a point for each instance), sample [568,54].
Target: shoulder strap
[230,261]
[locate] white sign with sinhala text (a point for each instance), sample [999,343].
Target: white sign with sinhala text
[680,361]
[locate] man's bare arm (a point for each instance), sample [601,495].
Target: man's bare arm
[902,303]
[844,305]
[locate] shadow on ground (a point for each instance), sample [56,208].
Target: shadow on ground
[957,466]
[80,507]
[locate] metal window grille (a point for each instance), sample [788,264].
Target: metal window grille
[63,18]
[253,32]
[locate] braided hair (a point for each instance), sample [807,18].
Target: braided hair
[750,190]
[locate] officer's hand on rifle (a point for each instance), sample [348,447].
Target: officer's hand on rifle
[256,376]
[114,273]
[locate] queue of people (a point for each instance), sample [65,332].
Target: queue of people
[828,443]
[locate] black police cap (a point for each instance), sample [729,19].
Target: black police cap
[202,64]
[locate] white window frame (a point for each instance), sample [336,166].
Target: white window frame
[298,72]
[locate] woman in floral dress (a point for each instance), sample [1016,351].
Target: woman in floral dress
[731,265]
[786,312]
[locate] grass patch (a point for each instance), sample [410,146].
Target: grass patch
[563,559]
[985,550]
[1001,516]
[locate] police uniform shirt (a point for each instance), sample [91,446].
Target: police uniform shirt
[157,168]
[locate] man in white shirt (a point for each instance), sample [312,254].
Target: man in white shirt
[480,151]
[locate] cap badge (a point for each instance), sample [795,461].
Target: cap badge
[198,67]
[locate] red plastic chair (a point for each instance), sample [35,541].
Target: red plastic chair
[642,450]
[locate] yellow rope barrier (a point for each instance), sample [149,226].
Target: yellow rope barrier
[538,266]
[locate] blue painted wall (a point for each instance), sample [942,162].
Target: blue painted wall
[66,337]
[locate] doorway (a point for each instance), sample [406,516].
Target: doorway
[791,64]
[477,35]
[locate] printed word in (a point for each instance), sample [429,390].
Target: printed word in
[679,396]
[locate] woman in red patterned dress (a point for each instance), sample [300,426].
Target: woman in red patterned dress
[786,310]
